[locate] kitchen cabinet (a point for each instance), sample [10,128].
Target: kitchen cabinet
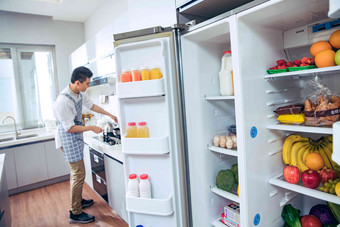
[87,162]
[11,173]
[56,165]
[5,211]
[114,172]
[30,163]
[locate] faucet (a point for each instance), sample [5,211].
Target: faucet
[15,125]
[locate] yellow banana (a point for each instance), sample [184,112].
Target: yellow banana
[287,146]
[329,138]
[301,164]
[325,156]
[294,152]
[329,154]
[307,151]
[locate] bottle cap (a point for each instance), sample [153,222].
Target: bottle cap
[227,52]
[132,176]
[144,176]
[142,123]
[131,123]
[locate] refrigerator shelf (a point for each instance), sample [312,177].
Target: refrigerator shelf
[223,150]
[298,128]
[224,194]
[218,223]
[279,181]
[302,73]
[140,89]
[219,97]
[161,207]
[145,146]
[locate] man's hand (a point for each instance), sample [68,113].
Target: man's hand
[96,129]
[114,118]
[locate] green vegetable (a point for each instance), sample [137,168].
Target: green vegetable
[291,216]
[234,168]
[285,225]
[335,208]
[225,180]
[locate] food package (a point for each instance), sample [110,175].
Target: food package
[291,109]
[291,118]
[322,107]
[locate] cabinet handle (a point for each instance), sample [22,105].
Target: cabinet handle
[2,214]
[96,159]
[98,179]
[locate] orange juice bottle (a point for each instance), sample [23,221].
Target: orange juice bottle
[131,130]
[126,76]
[142,130]
[145,73]
[155,73]
[136,75]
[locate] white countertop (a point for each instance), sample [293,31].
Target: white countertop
[41,133]
[115,151]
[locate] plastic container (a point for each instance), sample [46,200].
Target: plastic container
[133,186]
[226,75]
[136,75]
[145,73]
[142,130]
[144,186]
[126,76]
[131,130]
[155,73]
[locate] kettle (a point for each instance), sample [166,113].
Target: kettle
[108,128]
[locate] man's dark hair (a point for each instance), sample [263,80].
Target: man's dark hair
[81,73]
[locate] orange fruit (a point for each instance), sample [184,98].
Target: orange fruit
[314,161]
[335,39]
[319,46]
[325,58]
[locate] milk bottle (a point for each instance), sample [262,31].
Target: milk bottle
[226,75]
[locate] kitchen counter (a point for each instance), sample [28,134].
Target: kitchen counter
[115,151]
[40,135]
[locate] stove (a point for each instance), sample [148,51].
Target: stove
[109,139]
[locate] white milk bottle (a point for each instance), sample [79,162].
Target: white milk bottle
[133,186]
[226,75]
[144,186]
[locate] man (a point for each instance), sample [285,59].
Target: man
[69,137]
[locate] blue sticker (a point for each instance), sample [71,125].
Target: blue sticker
[257,219]
[253,132]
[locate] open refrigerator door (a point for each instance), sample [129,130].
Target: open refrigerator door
[156,102]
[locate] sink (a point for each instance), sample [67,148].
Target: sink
[27,136]
[6,139]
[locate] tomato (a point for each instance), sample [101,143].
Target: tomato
[291,174]
[310,221]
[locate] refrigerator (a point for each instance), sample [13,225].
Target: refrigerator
[184,111]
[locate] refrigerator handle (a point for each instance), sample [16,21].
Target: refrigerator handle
[336,142]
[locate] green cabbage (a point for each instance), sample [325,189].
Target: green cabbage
[234,168]
[225,180]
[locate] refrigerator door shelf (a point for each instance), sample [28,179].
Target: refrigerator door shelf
[140,89]
[221,150]
[298,128]
[145,146]
[279,181]
[225,194]
[161,207]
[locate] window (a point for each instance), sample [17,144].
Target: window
[27,85]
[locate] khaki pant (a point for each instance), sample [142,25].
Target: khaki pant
[77,177]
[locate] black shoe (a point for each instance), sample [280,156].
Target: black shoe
[81,218]
[86,203]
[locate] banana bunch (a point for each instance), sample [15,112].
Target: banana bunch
[295,149]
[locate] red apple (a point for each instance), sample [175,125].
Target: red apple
[327,174]
[291,174]
[281,62]
[297,62]
[310,178]
[310,221]
[290,64]
[305,60]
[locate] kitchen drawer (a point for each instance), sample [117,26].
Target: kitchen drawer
[99,185]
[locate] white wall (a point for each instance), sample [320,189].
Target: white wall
[32,29]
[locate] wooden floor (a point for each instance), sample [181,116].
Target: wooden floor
[49,206]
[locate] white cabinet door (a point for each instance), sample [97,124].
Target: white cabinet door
[11,174]
[30,163]
[114,172]
[56,165]
[87,161]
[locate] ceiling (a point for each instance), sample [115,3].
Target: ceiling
[66,10]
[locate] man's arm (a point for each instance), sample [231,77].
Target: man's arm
[97,109]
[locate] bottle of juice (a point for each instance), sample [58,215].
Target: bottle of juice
[145,73]
[136,75]
[142,130]
[155,73]
[126,76]
[131,130]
